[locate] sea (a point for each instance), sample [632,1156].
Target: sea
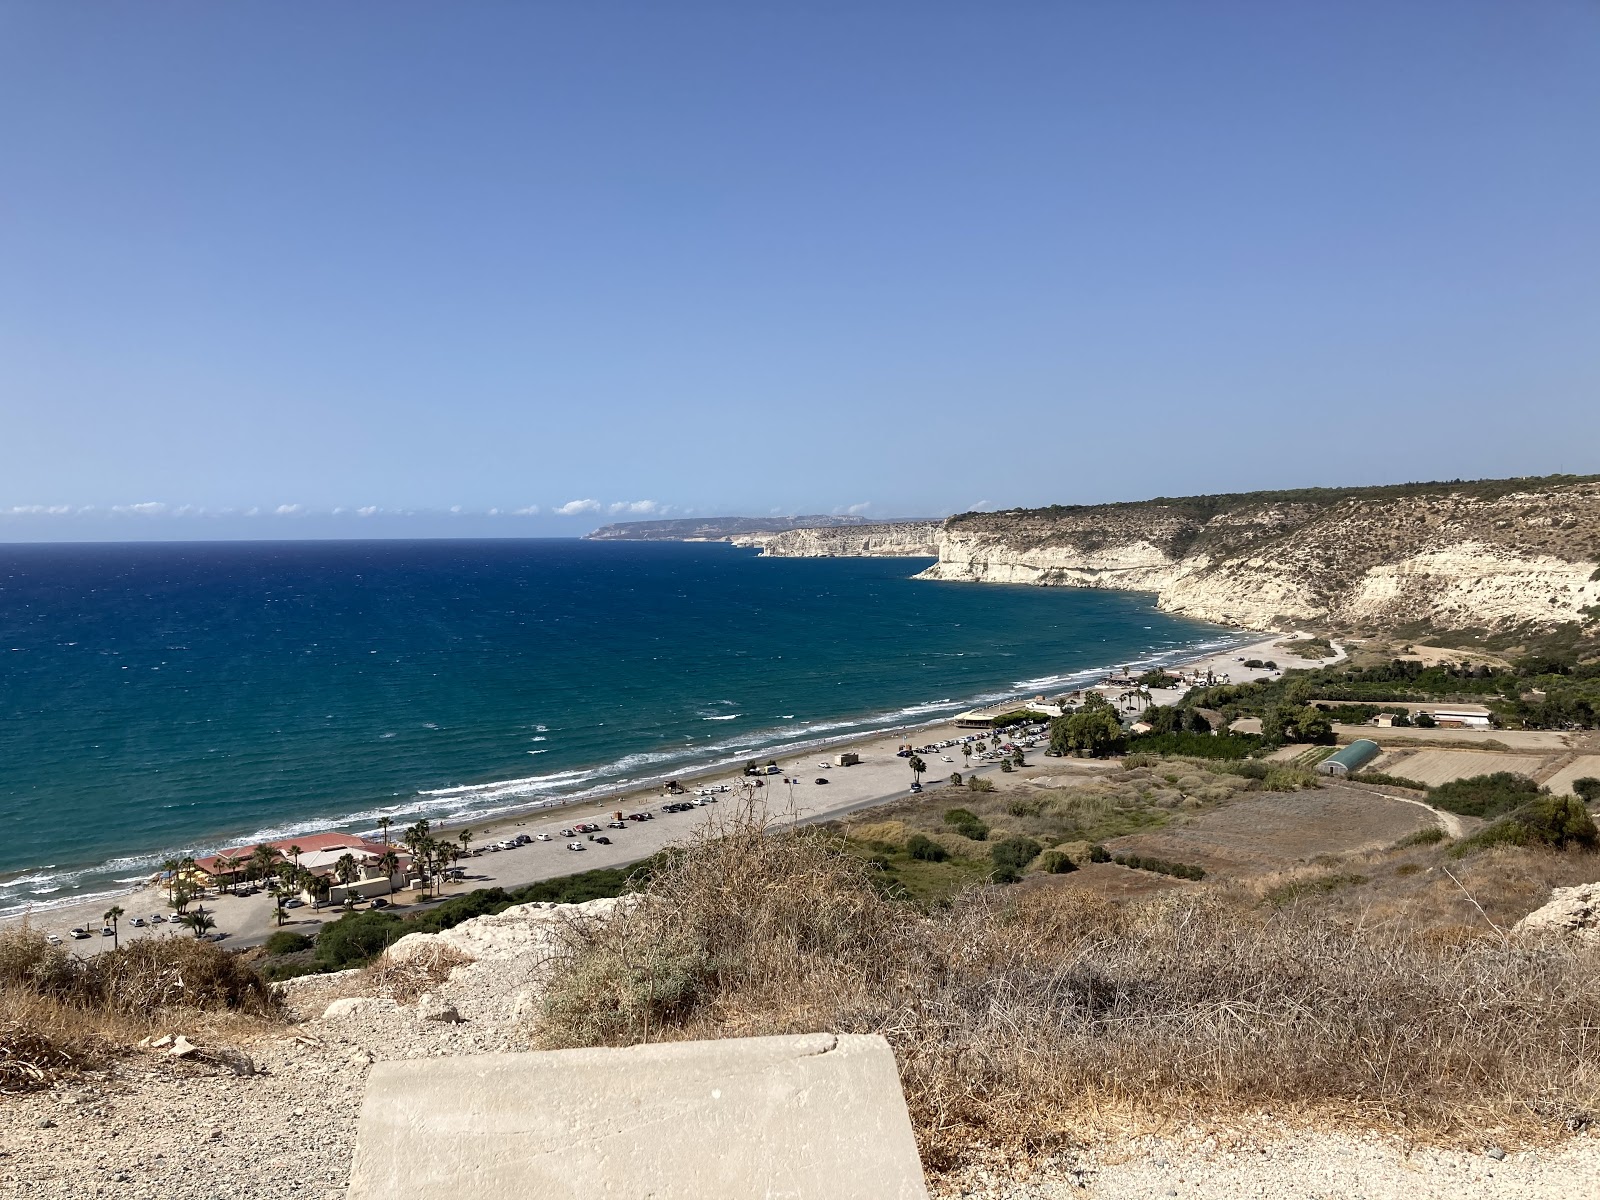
[165,698]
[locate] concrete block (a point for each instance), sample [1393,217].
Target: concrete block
[814,1117]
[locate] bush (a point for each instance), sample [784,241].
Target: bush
[1431,836]
[1012,856]
[978,784]
[356,938]
[1099,854]
[286,941]
[1485,796]
[1423,721]
[925,849]
[1555,822]
[1587,789]
[1227,746]
[1160,866]
[966,823]
[1379,777]
[1057,862]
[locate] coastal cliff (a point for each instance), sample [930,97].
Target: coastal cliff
[1451,555]
[899,539]
[1454,555]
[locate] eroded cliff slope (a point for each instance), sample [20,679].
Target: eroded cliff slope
[1453,555]
[907,538]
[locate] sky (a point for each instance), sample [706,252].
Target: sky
[517,269]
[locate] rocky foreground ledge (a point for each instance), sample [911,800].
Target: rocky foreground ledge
[276,1115]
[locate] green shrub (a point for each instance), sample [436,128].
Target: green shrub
[1229,746]
[1431,836]
[966,823]
[925,849]
[1099,854]
[1160,866]
[1057,862]
[1321,886]
[1012,856]
[356,938]
[1556,822]
[1379,777]
[978,784]
[1485,796]
[286,941]
[1587,789]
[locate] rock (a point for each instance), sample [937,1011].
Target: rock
[350,1006]
[182,1047]
[236,1061]
[1571,911]
[524,1007]
[1496,1153]
[814,1117]
[433,1008]
[47,1123]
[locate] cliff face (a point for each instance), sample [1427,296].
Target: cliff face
[903,538]
[1480,555]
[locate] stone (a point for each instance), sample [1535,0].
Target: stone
[1496,1153]
[434,1008]
[46,1123]
[350,1006]
[524,1007]
[811,1117]
[182,1047]
[1570,911]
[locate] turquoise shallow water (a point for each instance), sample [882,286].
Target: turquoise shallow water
[156,698]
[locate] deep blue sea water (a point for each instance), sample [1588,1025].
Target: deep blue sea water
[156,698]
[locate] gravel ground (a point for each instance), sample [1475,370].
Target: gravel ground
[175,1129]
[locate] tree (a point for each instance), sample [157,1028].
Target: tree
[917,768]
[383,827]
[1586,789]
[1016,757]
[389,863]
[111,917]
[465,838]
[181,895]
[295,852]
[261,860]
[966,754]
[1093,730]
[170,868]
[200,922]
[346,869]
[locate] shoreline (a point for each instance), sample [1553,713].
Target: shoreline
[603,797]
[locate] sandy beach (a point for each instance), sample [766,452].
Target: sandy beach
[243,921]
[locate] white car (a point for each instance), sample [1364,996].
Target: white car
[52,939]
[138,923]
[946,758]
[574,845]
[541,837]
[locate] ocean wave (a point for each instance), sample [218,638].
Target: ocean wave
[728,717]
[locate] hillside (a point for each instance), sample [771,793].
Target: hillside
[1488,553]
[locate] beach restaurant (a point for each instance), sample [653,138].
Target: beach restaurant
[319,853]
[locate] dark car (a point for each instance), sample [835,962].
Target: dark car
[602,839]
[822,779]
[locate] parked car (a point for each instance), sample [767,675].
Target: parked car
[569,833]
[616,824]
[52,939]
[602,839]
[543,837]
[138,923]
[916,787]
[107,931]
[574,845]
[80,933]
[156,919]
[523,839]
[380,902]
[822,779]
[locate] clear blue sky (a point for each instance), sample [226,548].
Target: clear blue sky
[907,258]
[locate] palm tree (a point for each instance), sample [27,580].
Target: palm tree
[262,858]
[181,895]
[389,863]
[346,869]
[170,866]
[295,852]
[966,754]
[465,838]
[200,921]
[917,768]
[383,825]
[186,865]
[111,917]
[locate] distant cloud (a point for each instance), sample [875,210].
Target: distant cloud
[149,508]
[640,508]
[855,510]
[368,510]
[531,510]
[577,508]
[289,510]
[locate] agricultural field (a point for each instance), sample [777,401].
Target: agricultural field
[1586,767]
[1434,767]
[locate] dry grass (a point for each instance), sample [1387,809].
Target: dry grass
[59,1013]
[420,972]
[1019,1014]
